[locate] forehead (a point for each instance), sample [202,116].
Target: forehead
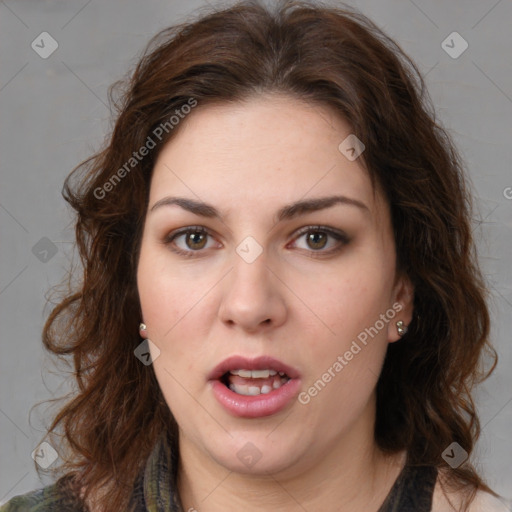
[266,148]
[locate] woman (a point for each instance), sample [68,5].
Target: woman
[281,308]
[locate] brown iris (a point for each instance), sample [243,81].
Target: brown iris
[196,240]
[317,239]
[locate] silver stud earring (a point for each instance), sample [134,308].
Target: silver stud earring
[401,328]
[142,327]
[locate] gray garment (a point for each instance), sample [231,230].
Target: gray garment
[412,491]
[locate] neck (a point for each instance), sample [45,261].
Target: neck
[351,472]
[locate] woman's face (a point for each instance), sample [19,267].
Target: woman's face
[310,291]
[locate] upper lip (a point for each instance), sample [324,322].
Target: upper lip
[259,363]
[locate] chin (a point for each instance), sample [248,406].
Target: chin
[258,456]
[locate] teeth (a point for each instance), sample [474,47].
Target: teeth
[254,390]
[242,389]
[255,374]
[260,374]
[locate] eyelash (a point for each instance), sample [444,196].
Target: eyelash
[339,236]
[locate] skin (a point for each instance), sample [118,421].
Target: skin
[249,160]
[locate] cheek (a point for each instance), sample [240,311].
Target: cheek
[165,295]
[344,361]
[353,303]
[158,305]
[351,329]
[179,391]
[176,309]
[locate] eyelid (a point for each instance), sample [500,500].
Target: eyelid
[186,229]
[336,233]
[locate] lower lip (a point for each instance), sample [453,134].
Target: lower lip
[255,406]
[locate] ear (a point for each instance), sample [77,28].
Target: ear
[403,304]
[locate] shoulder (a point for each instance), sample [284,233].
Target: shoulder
[485,502]
[46,499]
[444,501]
[31,501]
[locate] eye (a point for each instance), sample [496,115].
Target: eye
[191,239]
[317,239]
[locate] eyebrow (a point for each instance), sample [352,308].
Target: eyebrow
[287,212]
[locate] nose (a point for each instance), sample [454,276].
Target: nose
[253,296]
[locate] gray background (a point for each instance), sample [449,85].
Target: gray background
[54,114]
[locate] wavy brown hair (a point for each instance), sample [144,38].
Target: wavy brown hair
[326,56]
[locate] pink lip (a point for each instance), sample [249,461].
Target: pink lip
[260,405]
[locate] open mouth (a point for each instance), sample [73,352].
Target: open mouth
[254,382]
[254,387]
